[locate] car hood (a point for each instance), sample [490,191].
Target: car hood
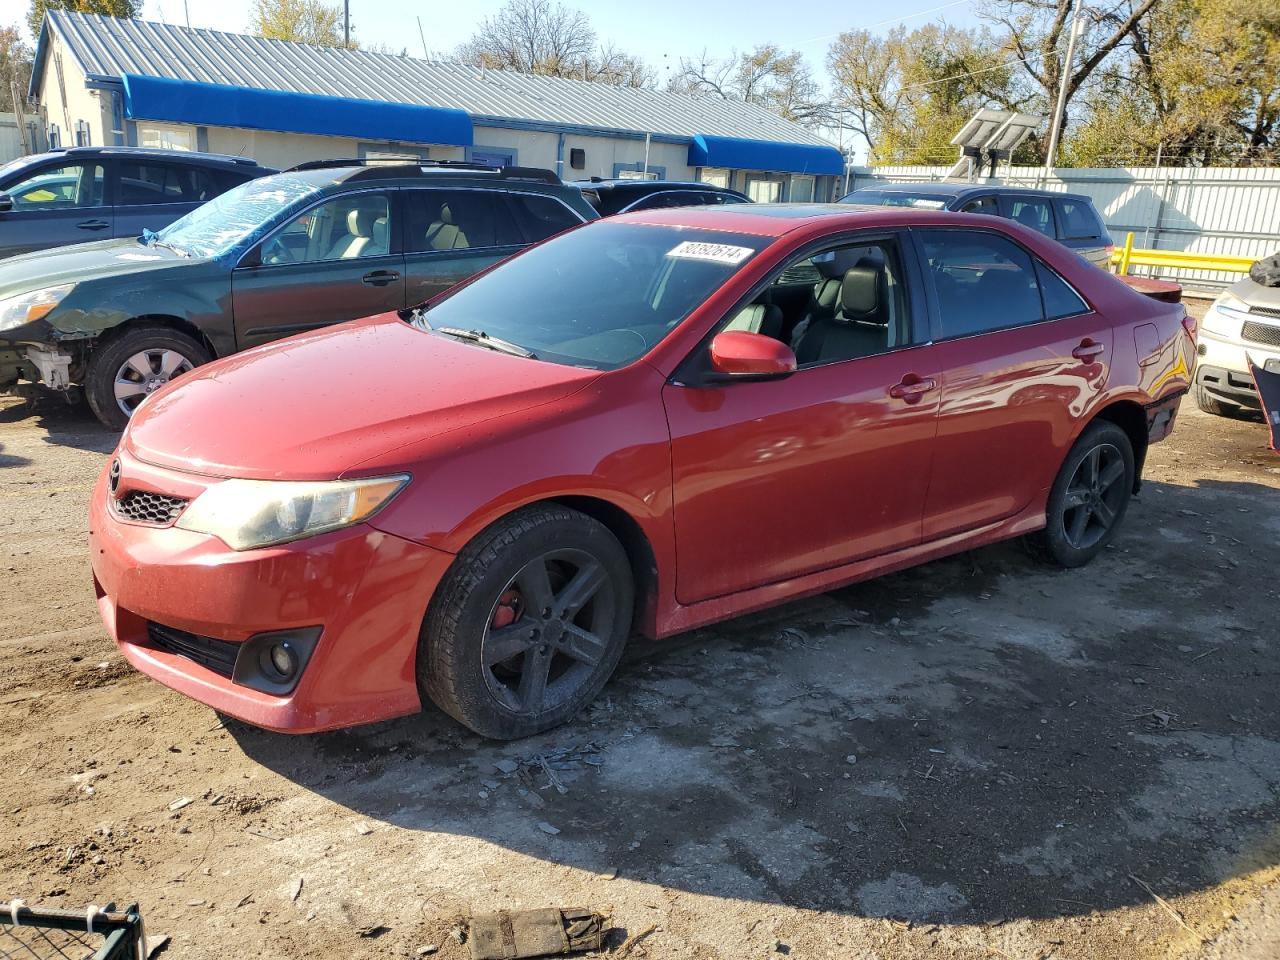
[83,261]
[1255,294]
[318,405]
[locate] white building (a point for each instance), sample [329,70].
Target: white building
[107,81]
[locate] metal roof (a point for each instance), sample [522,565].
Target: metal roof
[108,47]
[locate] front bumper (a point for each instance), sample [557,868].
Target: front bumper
[367,591]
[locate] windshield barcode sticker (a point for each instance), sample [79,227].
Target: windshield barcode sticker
[715,252]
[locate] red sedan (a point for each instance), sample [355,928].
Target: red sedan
[645,424]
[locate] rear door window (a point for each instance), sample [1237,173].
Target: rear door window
[983,282]
[1033,212]
[148,183]
[987,205]
[458,220]
[540,217]
[1078,220]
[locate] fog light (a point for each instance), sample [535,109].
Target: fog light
[282,660]
[274,662]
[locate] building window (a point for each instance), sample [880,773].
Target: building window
[492,156]
[82,133]
[802,189]
[166,137]
[391,152]
[716,176]
[763,190]
[55,137]
[637,171]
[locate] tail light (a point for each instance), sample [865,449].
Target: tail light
[1189,325]
[1111,248]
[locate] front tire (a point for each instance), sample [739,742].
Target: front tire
[125,368]
[1089,498]
[1210,404]
[528,623]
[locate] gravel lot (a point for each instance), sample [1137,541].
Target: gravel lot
[977,758]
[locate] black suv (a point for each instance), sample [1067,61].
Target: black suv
[76,194]
[623,196]
[319,244]
[1069,218]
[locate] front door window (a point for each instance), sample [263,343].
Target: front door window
[67,187]
[346,228]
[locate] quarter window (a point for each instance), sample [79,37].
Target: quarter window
[1079,222]
[59,188]
[1059,299]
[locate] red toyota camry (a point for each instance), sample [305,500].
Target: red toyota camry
[646,424]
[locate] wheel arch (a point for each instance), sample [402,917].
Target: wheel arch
[177,324]
[1130,417]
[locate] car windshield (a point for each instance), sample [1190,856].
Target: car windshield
[897,198]
[598,296]
[221,224]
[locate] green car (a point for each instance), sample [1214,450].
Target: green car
[319,244]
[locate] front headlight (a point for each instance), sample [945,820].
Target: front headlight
[1225,315]
[30,307]
[245,514]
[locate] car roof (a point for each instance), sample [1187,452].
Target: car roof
[155,153]
[776,219]
[333,172]
[952,189]
[654,185]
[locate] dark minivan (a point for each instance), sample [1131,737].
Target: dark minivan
[1069,218]
[76,194]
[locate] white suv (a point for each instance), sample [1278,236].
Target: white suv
[1245,319]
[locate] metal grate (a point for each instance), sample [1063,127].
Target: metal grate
[1261,333]
[143,506]
[216,655]
[1265,311]
[40,934]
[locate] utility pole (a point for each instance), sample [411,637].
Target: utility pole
[346,23]
[1064,80]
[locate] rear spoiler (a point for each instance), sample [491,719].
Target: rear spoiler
[1165,291]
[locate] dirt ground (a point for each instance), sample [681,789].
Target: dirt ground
[977,758]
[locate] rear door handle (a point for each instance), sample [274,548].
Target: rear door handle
[380,278]
[1088,349]
[93,225]
[912,388]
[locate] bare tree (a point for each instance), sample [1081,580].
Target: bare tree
[542,37]
[777,80]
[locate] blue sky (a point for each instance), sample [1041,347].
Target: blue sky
[660,31]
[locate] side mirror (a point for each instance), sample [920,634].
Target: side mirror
[6,203]
[739,355]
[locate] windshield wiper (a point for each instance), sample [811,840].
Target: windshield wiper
[150,238]
[493,343]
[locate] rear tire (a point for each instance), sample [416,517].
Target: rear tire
[528,623]
[1089,498]
[147,354]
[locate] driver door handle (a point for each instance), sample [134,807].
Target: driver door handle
[93,225]
[912,388]
[380,278]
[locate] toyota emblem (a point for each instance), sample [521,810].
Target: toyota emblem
[113,476]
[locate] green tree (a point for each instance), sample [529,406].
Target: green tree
[108,8]
[302,21]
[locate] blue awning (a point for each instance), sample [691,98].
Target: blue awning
[221,105]
[739,154]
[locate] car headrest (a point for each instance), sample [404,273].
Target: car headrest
[446,215]
[860,293]
[833,264]
[360,221]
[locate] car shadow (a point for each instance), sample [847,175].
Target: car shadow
[977,739]
[66,424]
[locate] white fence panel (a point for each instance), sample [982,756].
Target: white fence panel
[11,139]
[1234,211]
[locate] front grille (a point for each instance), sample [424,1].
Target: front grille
[1266,311]
[143,506]
[216,655]
[1261,333]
